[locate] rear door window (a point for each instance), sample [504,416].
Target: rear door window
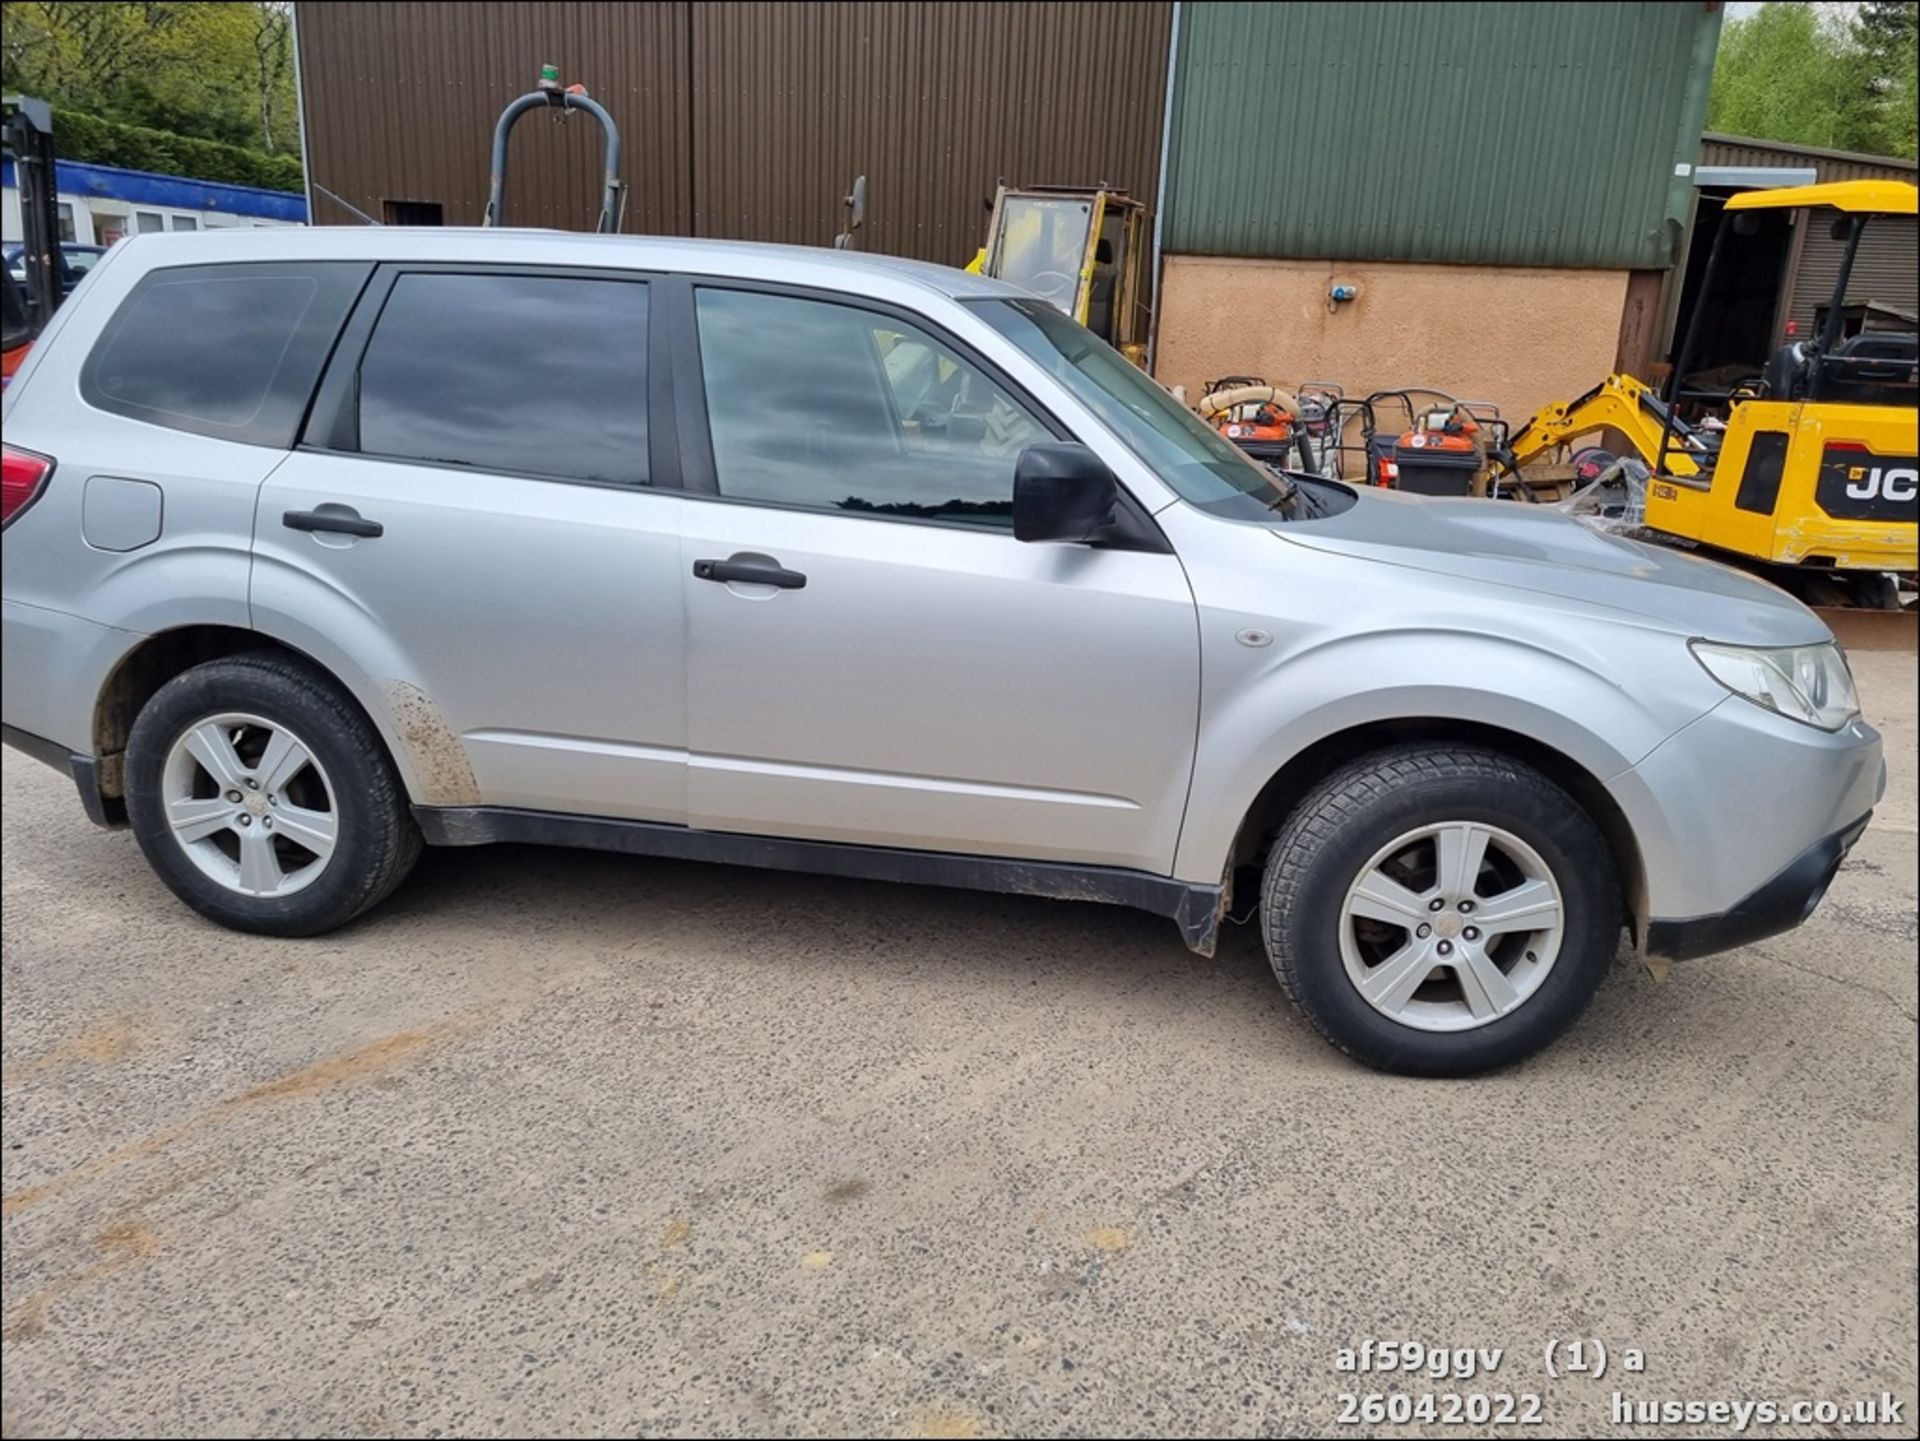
[226,350]
[542,375]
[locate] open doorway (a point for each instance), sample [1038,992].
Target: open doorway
[411,212]
[1742,318]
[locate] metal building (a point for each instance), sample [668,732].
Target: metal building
[743,121]
[1473,134]
[1502,189]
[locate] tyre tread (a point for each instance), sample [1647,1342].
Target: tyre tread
[1338,802]
[393,841]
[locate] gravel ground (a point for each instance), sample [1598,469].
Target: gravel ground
[557,1142]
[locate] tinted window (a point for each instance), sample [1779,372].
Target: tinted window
[226,350]
[812,403]
[542,374]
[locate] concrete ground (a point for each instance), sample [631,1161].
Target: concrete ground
[558,1142]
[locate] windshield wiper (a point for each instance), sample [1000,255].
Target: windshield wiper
[1289,490]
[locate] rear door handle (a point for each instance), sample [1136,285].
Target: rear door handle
[346,524]
[749,572]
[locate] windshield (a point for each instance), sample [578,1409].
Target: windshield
[1183,450]
[1043,246]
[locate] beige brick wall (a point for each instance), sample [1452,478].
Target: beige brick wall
[1517,337]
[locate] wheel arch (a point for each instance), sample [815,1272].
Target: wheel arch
[142,671]
[1289,785]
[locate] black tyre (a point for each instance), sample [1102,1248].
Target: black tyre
[264,800]
[1440,910]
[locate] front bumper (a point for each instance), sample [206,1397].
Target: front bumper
[1734,799]
[1779,905]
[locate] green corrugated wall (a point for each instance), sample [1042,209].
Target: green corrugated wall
[1482,134]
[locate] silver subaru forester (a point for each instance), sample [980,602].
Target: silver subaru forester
[322,544]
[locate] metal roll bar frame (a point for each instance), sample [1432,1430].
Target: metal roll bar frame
[554,98]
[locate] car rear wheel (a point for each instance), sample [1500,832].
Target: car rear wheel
[263,799]
[1440,911]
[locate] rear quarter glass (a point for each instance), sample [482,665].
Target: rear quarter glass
[231,351]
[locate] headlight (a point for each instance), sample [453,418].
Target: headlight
[1807,683]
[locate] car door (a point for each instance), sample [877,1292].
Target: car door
[472,528]
[872,656]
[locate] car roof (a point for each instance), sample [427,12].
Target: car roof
[793,264]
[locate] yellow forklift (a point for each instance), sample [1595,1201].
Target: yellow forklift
[1807,474]
[1082,249]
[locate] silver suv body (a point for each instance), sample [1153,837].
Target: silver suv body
[321,543]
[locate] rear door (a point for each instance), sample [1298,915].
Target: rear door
[872,656]
[473,526]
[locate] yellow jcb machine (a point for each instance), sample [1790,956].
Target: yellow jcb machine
[1808,474]
[1084,250]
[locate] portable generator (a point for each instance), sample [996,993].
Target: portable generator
[1441,455]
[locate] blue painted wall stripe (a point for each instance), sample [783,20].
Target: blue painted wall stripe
[140,187]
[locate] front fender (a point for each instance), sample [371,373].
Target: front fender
[1431,674]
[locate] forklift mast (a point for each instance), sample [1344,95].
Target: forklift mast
[29,143]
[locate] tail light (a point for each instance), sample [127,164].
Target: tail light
[23,475]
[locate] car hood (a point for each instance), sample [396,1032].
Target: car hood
[1537,548]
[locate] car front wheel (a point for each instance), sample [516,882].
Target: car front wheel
[1439,911]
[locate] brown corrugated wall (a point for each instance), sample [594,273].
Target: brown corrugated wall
[740,120]
[1827,165]
[399,102]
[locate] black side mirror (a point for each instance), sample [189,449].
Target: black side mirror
[1841,229]
[1746,223]
[1063,492]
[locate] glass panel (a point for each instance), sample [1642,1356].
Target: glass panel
[1183,450]
[202,344]
[823,405]
[1043,246]
[546,375]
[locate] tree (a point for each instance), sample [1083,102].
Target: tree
[1886,33]
[219,71]
[273,60]
[1802,73]
[84,51]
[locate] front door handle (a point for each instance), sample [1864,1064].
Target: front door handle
[346,523]
[749,572]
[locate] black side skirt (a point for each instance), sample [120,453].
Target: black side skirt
[1196,909]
